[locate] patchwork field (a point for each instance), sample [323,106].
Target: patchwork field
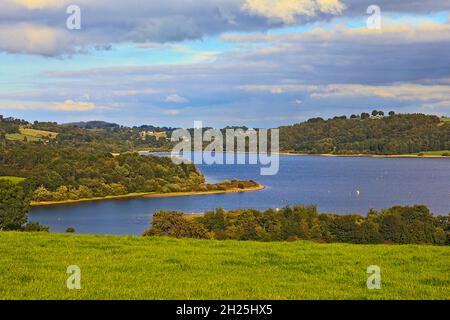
[31,135]
[33,266]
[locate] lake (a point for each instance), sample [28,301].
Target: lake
[331,183]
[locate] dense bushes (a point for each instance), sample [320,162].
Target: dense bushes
[398,224]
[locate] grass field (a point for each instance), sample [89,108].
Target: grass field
[12,179]
[31,135]
[21,137]
[33,266]
[38,133]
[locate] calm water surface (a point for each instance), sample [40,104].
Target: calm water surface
[331,183]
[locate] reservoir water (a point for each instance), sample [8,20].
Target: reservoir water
[335,184]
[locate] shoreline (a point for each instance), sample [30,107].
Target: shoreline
[365,155]
[147,195]
[359,155]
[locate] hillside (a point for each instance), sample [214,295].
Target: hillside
[397,134]
[33,266]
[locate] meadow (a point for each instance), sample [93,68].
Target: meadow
[31,135]
[33,266]
[12,179]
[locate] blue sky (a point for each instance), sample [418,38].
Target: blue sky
[258,63]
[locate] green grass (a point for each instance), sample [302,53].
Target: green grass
[33,266]
[21,137]
[446,119]
[38,133]
[12,179]
[435,153]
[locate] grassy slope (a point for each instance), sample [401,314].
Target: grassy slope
[12,179]
[38,133]
[31,135]
[20,137]
[34,266]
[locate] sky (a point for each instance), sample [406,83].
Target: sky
[259,63]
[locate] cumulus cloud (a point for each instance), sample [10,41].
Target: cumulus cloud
[110,22]
[70,105]
[262,78]
[288,10]
[29,38]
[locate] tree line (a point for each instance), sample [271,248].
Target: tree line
[399,225]
[363,134]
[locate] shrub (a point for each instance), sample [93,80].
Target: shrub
[35,227]
[70,230]
[174,224]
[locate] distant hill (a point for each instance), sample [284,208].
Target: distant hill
[92,125]
[395,134]
[379,134]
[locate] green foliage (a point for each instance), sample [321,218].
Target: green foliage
[58,173]
[396,134]
[398,224]
[35,227]
[174,224]
[14,205]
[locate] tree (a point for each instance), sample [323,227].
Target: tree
[374,113]
[365,115]
[391,113]
[381,113]
[14,206]
[174,224]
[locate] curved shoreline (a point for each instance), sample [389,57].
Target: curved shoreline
[147,195]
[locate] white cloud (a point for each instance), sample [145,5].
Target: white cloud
[39,4]
[70,105]
[400,92]
[175,98]
[288,10]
